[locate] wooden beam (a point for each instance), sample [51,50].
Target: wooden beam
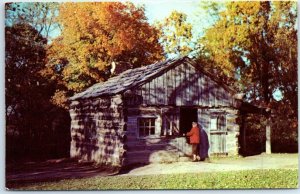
[268,136]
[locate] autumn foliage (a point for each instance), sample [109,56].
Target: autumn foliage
[175,34]
[251,46]
[96,34]
[255,45]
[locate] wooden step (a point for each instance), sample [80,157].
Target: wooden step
[156,156]
[136,147]
[152,140]
[137,153]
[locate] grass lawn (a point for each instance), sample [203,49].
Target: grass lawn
[284,178]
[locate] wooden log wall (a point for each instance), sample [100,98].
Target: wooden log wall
[97,130]
[184,85]
[135,113]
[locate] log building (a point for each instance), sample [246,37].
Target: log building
[141,114]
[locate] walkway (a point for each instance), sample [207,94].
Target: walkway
[263,161]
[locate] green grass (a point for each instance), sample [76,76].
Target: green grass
[284,178]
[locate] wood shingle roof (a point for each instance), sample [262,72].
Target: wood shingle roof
[126,80]
[132,78]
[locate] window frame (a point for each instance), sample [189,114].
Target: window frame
[148,127]
[221,127]
[215,118]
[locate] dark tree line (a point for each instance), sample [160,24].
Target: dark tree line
[35,127]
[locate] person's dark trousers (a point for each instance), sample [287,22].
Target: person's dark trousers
[195,148]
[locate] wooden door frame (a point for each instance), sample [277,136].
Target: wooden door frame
[225,132]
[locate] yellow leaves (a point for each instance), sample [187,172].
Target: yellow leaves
[60,99]
[96,33]
[258,38]
[175,34]
[100,65]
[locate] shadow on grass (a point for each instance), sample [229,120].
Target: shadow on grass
[19,175]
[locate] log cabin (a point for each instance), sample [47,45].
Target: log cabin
[140,115]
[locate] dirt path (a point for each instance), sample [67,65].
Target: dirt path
[263,161]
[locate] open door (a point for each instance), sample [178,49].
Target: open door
[187,116]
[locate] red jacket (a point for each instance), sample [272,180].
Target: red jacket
[194,135]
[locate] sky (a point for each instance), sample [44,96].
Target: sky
[159,10]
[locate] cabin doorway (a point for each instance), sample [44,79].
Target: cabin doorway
[187,116]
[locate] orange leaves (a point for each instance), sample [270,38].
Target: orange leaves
[59,99]
[113,26]
[95,34]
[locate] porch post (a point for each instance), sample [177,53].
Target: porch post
[268,136]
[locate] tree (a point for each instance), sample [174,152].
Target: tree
[32,121]
[285,52]
[253,42]
[176,34]
[94,35]
[24,58]
[41,16]
[26,92]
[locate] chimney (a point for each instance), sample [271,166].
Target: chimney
[119,67]
[113,68]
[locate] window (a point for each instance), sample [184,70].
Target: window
[213,123]
[218,123]
[146,127]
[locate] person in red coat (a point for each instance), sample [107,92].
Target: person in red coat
[194,135]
